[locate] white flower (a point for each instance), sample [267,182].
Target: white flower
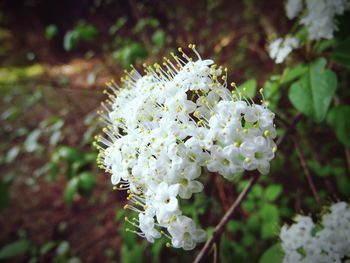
[293,8]
[185,234]
[279,49]
[330,243]
[146,225]
[165,201]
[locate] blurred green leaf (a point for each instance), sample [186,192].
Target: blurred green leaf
[31,143]
[74,260]
[272,192]
[51,31]
[86,31]
[71,189]
[134,254]
[157,248]
[158,38]
[11,113]
[272,255]
[62,248]
[339,119]
[290,74]
[14,249]
[313,93]
[341,54]
[343,185]
[145,22]
[268,230]
[248,88]
[269,213]
[70,40]
[55,137]
[118,25]
[233,226]
[47,246]
[12,154]
[128,54]
[87,183]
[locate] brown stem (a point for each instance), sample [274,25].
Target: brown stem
[306,169]
[221,226]
[220,187]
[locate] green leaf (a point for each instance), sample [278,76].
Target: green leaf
[248,88]
[46,247]
[313,93]
[14,249]
[269,230]
[62,248]
[71,189]
[70,41]
[338,119]
[158,38]
[233,226]
[272,192]
[341,54]
[269,213]
[343,185]
[86,183]
[133,254]
[293,73]
[51,31]
[31,143]
[274,254]
[12,154]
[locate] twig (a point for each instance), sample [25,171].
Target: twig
[220,187]
[219,229]
[306,169]
[216,253]
[221,226]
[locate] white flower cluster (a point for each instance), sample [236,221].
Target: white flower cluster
[280,48]
[329,241]
[319,17]
[165,127]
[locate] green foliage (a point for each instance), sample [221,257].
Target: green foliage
[71,190]
[51,31]
[81,32]
[14,249]
[121,21]
[158,38]
[272,192]
[272,255]
[130,53]
[248,88]
[338,119]
[312,94]
[341,53]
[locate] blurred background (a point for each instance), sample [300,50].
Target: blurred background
[55,57]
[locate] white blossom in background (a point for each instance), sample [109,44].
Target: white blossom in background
[327,241]
[165,127]
[280,48]
[319,17]
[293,8]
